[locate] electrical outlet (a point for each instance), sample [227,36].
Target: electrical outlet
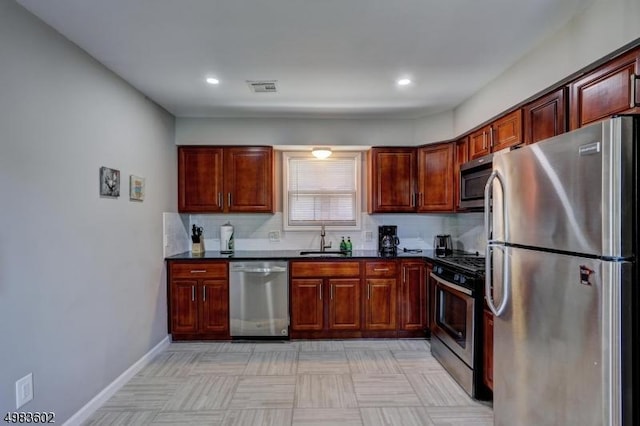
[274,236]
[367,236]
[24,390]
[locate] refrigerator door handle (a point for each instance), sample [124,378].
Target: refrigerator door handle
[488,282]
[487,206]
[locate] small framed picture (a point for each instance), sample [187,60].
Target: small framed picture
[136,188]
[109,182]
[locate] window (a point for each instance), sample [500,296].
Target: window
[320,192]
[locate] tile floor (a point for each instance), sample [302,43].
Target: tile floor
[350,382]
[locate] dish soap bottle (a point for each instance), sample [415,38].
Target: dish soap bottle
[343,245]
[348,244]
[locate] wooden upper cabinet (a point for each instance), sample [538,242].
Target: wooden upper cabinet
[606,91]
[545,117]
[248,179]
[435,178]
[461,157]
[479,143]
[391,177]
[200,179]
[225,179]
[504,132]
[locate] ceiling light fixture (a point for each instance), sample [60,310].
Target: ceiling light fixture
[212,80]
[321,153]
[404,82]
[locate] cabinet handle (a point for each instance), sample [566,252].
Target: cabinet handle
[331,291]
[381,269]
[320,288]
[491,137]
[368,290]
[229,199]
[404,273]
[632,103]
[204,294]
[484,140]
[198,271]
[193,293]
[220,203]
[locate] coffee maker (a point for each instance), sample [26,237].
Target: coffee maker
[388,240]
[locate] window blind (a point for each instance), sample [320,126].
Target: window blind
[322,191]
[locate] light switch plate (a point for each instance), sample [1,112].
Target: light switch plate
[24,390]
[367,236]
[274,236]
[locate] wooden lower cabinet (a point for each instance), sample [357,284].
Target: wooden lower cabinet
[344,303]
[198,300]
[413,296]
[487,351]
[325,299]
[306,304]
[380,299]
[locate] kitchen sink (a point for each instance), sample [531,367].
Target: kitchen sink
[327,253]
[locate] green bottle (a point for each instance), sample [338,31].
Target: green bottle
[343,245]
[348,244]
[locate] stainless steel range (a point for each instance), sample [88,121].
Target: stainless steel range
[456,338]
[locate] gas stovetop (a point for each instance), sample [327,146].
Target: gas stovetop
[471,264]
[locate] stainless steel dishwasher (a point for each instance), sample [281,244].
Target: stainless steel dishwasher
[259,299]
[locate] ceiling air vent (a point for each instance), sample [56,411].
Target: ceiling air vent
[268,86]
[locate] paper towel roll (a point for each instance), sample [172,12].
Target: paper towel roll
[226,238]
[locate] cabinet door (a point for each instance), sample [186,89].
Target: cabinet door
[487,375]
[184,306]
[462,156]
[413,315]
[306,304]
[479,143]
[214,306]
[431,296]
[344,303]
[248,179]
[606,91]
[200,179]
[380,304]
[545,117]
[435,178]
[391,176]
[506,131]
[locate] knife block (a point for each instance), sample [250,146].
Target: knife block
[197,248]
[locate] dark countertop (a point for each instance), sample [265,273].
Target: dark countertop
[295,255]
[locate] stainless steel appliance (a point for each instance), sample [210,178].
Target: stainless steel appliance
[442,245]
[388,240]
[473,177]
[259,299]
[562,243]
[456,335]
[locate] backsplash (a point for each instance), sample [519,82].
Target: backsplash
[253,231]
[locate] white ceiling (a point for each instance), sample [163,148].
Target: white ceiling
[331,58]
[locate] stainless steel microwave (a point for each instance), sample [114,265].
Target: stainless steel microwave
[473,178]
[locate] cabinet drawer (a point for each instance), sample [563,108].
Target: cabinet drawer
[380,269]
[325,269]
[199,270]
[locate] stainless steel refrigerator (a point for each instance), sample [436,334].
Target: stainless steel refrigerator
[561,221]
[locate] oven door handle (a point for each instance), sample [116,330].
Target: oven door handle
[452,285]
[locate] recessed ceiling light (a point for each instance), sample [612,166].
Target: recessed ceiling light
[212,80]
[403,82]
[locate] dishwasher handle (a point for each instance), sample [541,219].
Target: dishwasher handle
[254,270]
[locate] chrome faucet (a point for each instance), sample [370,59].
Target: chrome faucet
[322,234]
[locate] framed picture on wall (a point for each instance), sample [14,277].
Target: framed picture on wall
[109,182]
[136,188]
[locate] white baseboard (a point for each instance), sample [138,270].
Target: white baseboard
[92,406]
